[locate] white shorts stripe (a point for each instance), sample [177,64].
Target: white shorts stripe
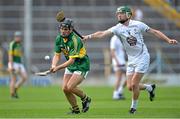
[83,74]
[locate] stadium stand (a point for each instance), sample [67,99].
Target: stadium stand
[89,16]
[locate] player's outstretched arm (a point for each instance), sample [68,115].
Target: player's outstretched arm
[98,35]
[161,35]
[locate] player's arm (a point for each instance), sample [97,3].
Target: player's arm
[98,35]
[57,54]
[55,60]
[64,65]
[162,36]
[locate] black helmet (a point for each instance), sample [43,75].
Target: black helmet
[68,23]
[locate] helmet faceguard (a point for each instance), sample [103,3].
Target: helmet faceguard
[67,23]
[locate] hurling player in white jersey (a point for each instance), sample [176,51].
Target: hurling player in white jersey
[119,66]
[130,33]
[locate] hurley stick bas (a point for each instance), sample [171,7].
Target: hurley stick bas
[43,73]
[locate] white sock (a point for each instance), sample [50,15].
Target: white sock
[120,90]
[148,87]
[134,104]
[115,94]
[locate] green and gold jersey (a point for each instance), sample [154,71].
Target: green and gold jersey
[15,51]
[72,47]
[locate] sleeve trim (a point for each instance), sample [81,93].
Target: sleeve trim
[74,56]
[57,53]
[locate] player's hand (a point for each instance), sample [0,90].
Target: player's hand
[52,69]
[56,69]
[85,38]
[173,41]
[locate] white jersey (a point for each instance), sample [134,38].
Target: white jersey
[116,45]
[131,37]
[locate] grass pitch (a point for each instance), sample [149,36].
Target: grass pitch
[50,102]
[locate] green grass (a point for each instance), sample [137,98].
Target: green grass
[49,102]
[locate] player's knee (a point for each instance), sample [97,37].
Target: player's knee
[65,89]
[70,88]
[24,77]
[134,86]
[129,87]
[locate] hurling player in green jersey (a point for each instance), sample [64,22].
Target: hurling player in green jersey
[76,66]
[15,65]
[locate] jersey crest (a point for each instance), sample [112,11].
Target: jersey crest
[131,40]
[65,49]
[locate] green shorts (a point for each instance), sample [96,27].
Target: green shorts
[82,73]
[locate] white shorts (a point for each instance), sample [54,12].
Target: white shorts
[121,68]
[139,64]
[18,67]
[82,73]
